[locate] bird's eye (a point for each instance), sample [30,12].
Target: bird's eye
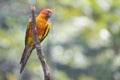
[48,15]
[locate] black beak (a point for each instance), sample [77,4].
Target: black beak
[49,15]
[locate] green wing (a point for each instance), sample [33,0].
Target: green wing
[46,32]
[27,31]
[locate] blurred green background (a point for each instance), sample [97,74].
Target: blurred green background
[83,44]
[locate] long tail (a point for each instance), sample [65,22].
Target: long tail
[26,54]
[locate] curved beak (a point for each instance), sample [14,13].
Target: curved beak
[49,15]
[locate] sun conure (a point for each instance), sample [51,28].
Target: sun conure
[43,27]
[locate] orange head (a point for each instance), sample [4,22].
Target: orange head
[46,13]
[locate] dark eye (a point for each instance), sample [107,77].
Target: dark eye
[48,15]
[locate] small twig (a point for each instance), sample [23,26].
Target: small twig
[38,47]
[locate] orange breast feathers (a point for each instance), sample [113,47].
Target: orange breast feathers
[41,26]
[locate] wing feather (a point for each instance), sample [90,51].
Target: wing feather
[27,31]
[46,32]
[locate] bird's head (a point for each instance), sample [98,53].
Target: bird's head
[46,13]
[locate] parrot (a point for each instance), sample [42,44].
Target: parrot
[42,27]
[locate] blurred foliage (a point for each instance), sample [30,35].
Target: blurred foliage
[83,44]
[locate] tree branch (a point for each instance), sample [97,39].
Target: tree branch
[38,47]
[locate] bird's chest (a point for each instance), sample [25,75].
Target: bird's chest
[41,28]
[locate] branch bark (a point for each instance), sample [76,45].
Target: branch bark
[38,47]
